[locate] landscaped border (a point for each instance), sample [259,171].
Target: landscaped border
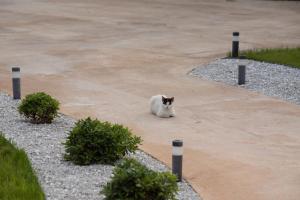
[284,56]
[270,79]
[61,179]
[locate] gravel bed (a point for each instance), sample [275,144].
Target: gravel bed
[270,79]
[61,179]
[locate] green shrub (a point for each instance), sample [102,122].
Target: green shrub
[133,181]
[92,141]
[39,108]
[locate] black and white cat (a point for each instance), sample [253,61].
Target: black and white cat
[162,106]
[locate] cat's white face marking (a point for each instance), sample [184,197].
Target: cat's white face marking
[167,102]
[165,106]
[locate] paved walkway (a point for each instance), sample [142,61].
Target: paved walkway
[105,58]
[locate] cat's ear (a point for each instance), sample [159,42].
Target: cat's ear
[172,99]
[163,98]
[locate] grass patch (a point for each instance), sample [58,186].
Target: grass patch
[284,56]
[17,178]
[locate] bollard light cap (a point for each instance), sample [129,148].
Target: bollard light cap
[177,143]
[236,33]
[15,69]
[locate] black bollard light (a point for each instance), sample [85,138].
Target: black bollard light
[16,82]
[235,44]
[177,157]
[242,71]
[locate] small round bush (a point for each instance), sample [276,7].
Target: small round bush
[92,141]
[133,181]
[39,108]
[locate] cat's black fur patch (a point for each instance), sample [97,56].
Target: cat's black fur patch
[166,100]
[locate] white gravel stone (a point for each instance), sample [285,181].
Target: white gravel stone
[270,79]
[61,179]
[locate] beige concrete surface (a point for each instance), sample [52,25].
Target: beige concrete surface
[105,58]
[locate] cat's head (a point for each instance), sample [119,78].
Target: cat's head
[167,102]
